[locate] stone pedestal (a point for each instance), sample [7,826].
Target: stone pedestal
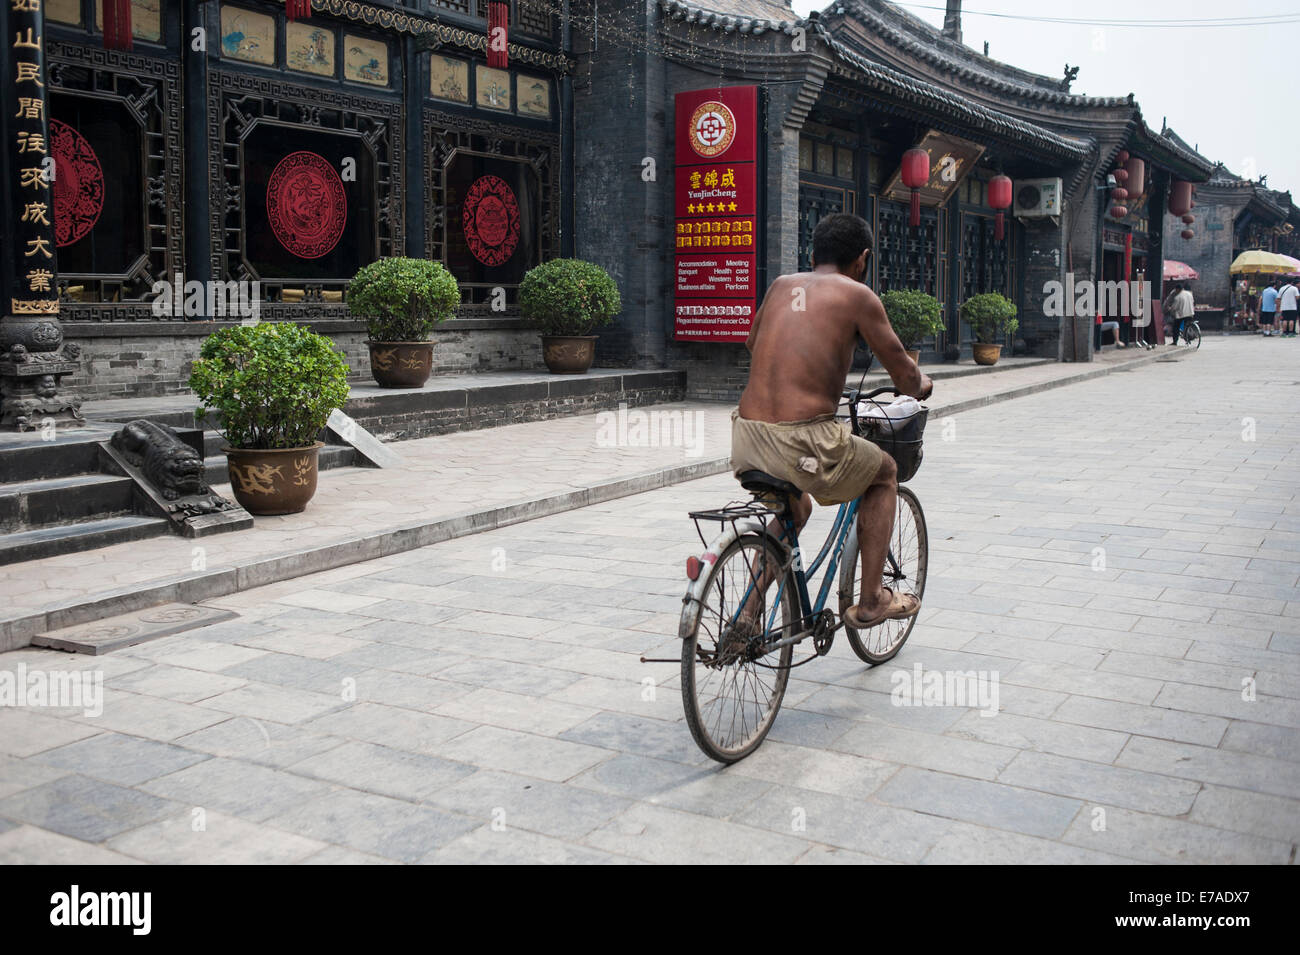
[33,357]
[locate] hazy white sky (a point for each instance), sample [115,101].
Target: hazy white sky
[1229,90]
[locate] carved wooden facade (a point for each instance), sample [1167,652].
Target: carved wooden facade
[193,187]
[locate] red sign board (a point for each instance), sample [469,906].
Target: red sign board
[716,210]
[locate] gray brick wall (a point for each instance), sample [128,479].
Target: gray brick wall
[1210,250]
[156,361]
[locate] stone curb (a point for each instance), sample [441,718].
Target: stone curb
[17,632]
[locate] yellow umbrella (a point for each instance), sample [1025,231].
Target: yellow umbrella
[1257,260]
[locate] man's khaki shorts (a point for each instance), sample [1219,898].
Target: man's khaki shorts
[820,456]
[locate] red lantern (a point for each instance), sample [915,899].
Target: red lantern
[1118,212]
[1180,198]
[117,24]
[916,173]
[1189,218]
[999,199]
[1135,172]
[1188,233]
[1122,156]
[1121,175]
[297,9]
[498,34]
[1119,192]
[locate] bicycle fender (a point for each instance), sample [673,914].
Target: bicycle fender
[847,569]
[692,600]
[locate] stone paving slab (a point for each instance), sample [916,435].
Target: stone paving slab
[481,699]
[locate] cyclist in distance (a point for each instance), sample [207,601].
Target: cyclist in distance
[802,342]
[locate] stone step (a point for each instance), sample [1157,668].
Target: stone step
[32,456]
[87,535]
[31,505]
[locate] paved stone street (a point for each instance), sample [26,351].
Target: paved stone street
[1122,554]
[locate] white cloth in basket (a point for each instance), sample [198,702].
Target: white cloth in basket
[898,411]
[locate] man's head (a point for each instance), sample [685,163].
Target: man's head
[844,241]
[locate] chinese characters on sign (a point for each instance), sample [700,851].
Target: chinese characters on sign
[716,210]
[33,167]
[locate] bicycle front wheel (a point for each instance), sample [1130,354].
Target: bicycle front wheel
[730,692]
[905,570]
[1193,335]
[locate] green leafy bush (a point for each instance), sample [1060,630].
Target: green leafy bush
[569,297]
[401,299]
[914,315]
[991,316]
[273,384]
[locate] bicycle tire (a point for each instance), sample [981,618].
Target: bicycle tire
[914,566]
[1193,335]
[726,574]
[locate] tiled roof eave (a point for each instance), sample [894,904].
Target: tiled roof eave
[1172,152]
[919,92]
[972,67]
[727,22]
[887,79]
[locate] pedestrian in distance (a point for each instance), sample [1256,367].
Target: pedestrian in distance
[1288,303]
[1268,307]
[1179,306]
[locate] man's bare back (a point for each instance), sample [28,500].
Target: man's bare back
[802,342]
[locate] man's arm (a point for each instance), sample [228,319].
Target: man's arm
[758,317]
[874,326]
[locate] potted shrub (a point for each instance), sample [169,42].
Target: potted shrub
[992,317]
[914,316]
[566,299]
[401,299]
[273,385]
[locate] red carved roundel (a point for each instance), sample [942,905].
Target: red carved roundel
[491,217]
[306,204]
[78,184]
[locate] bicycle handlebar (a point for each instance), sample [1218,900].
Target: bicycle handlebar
[855,396]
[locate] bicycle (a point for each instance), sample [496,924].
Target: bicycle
[734,673]
[1191,334]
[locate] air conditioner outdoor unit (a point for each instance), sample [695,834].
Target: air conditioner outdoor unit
[1036,198]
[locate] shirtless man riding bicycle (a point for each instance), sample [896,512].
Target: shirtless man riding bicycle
[802,342]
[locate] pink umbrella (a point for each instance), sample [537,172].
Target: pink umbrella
[1176,271]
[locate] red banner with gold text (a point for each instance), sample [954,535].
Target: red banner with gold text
[716,211]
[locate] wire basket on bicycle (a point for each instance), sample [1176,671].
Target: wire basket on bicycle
[898,435]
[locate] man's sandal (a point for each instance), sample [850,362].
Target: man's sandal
[901,606]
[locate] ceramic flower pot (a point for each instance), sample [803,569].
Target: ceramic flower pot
[401,364]
[273,481]
[986,354]
[568,354]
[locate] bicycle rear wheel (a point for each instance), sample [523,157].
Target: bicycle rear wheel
[1193,335]
[909,546]
[729,693]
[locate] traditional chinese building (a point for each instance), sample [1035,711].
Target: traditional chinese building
[233,143]
[1233,214]
[844,95]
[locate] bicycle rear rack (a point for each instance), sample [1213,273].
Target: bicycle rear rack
[735,511]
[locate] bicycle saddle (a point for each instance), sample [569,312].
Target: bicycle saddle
[760,482]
